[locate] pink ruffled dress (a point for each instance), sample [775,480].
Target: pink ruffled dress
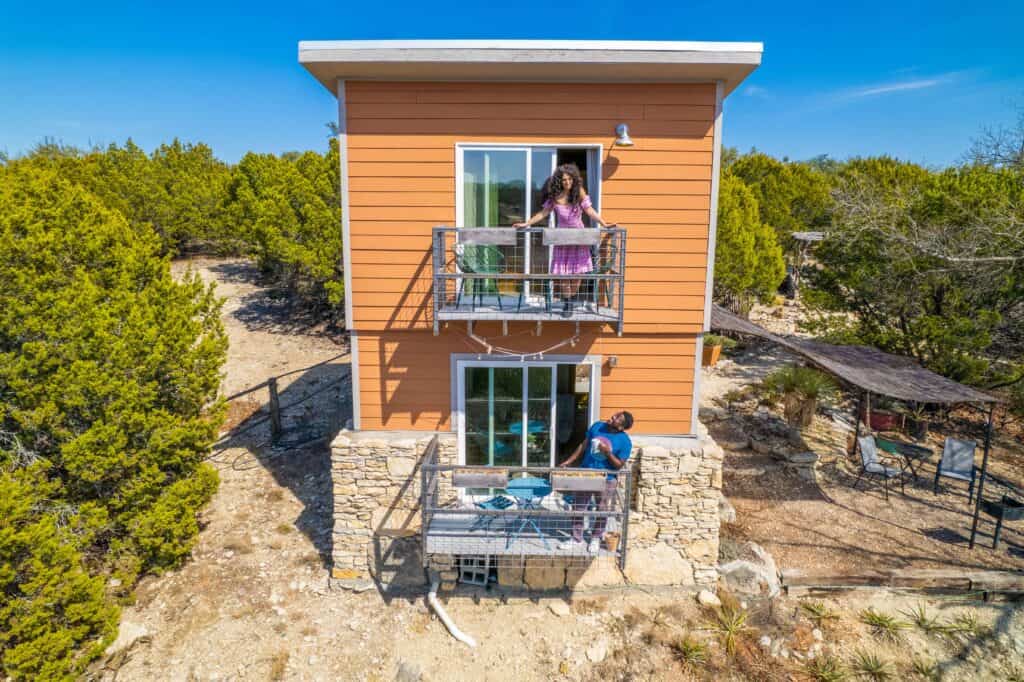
[570,260]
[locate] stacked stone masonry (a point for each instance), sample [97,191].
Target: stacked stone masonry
[673,523]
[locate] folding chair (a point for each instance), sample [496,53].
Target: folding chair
[958,463]
[871,464]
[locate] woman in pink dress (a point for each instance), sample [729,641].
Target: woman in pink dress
[564,194]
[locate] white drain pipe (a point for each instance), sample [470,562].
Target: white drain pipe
[443,615]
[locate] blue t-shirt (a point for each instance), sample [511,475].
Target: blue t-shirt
[594,458]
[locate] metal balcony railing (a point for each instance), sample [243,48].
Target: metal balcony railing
[503,273]
[483,512]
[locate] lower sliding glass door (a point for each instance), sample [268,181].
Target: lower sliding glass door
[509,411]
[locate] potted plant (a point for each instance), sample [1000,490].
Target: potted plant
[883,415]
[801,390]
[713,345]
[918,423]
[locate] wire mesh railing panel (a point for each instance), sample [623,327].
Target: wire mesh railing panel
[483,273]
[511,513]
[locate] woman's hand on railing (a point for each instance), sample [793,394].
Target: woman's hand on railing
[518,225]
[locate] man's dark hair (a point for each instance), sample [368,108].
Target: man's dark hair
[627,420]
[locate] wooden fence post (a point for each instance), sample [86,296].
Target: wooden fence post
[275,411]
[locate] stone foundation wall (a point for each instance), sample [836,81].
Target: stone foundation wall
[672,534]
[674,520]
[376,477]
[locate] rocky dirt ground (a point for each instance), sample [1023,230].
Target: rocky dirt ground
[255,602]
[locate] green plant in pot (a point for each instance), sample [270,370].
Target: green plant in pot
[918,422]
[713,346]
[801,390]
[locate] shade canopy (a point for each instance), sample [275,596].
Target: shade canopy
[880,373]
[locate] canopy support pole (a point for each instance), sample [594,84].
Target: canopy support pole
[984,468]
[856,422]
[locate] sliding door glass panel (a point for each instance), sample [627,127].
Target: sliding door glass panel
[478,411]
[494,191]
[508,415]
[538,416]
[542,165]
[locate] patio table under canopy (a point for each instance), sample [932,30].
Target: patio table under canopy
[874,371]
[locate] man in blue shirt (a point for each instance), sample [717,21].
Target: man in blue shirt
[606,447]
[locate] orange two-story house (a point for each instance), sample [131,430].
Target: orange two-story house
[461,336]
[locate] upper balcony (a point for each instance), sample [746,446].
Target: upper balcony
[503,273]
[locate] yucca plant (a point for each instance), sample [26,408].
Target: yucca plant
[883,626]
[818,613]
[690,651]
[963,626]
[869,666]
[924,622]
[801,389]
[730,623]
[924,668]
[826,669]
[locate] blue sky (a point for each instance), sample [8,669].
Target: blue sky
[913,79]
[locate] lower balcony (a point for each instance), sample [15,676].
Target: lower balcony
[498,273]
[507,513]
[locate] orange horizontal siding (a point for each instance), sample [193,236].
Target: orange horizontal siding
[405,377]
[592,93]
[546,128]
[401,170]
[447,141]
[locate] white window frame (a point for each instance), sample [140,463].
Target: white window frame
[595,153]
[460,363]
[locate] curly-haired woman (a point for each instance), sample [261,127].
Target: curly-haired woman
[564,194]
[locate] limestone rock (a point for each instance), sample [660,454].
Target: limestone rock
[713,414]
[703,551]
[708,598]
[401,467]
[128,633]
[761,447]
[755,576]
[602,572]
[658,565]
[559,608]
[597,652]
[688,465]
[645,529]
[802,458]
[726,512]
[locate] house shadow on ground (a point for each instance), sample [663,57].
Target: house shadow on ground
[315,404]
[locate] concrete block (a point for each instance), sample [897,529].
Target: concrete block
[544,573]
[510,575]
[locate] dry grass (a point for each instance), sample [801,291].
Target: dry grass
[285,528]
[278,666]
[239,544]
[238,411]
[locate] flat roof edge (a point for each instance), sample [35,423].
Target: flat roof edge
[313,46]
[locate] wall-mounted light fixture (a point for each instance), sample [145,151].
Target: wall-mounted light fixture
[622,136]
[613,360]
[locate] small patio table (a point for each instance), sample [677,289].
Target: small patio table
[528,493]
[910,452]
[533,426]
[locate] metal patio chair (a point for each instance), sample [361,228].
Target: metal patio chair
[958,463]
[606,263]
[872,465]
[478,252]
